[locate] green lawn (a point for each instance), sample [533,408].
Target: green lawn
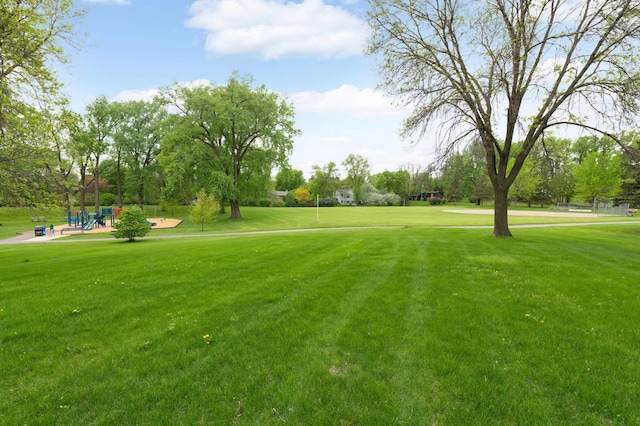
[368,326]
[262,219]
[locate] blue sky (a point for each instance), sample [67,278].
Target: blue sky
[309,51]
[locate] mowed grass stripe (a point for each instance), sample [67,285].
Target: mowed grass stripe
[354,327]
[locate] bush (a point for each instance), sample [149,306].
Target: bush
[278,203]
[290,199]
[264,202]
[131,223]
[107,199]
[328,202]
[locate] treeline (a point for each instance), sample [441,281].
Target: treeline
[558,170]
[225,140]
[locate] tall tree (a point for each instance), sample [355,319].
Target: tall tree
[325,180]
[395,182]
[33,38]
[233,121]
[549,62]
[137,142]
[357,168]
[598,176]
[289,179]
[99,119]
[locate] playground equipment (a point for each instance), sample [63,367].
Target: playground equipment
[88,220]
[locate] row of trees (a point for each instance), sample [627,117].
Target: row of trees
[557,170]
[222,139]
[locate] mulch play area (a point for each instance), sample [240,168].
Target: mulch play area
[160,223]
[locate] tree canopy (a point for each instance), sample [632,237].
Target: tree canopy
[501,71]
[236,124]
[33,37]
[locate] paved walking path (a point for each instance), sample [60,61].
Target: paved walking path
[29,238]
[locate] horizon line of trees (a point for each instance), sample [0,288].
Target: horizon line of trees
[559,170]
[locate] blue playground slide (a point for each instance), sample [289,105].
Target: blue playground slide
[90,225]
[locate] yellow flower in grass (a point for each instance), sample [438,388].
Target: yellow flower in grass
[207,339]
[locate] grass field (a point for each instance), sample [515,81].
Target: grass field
[409,325]
[266,219]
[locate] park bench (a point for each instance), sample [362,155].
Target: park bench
[62,231]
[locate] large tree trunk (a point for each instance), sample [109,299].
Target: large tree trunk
[500,216]
[235,210]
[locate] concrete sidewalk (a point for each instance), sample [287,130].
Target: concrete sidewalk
[29,237]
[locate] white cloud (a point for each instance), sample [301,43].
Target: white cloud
[345,101]
[274,29]
[147,95]
[117,2]
[135,95]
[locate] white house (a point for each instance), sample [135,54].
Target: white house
[345,197]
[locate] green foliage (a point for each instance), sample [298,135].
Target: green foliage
[33,39]
[357,168]
[598,176]
[396,182]
[205,209]
[325,180]
[289,179]
[327,202]
[107,199]
[236,129]
[290,199]
[131,224]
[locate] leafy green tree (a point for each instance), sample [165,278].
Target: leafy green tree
[233,121]
[452,176]
[325,180]
[525,187]
[99,127]
[471,68]
[131,224]
[33,38]
[205,210]
[139,131]
[394,182]
[289,179]
[357,168]
[80,151]
[598,176]
[630,190]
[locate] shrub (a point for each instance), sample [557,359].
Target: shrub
[107,199]
[131,223]
[264,202]
[328,202]
[290,199]
[278,203]
[303,197]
